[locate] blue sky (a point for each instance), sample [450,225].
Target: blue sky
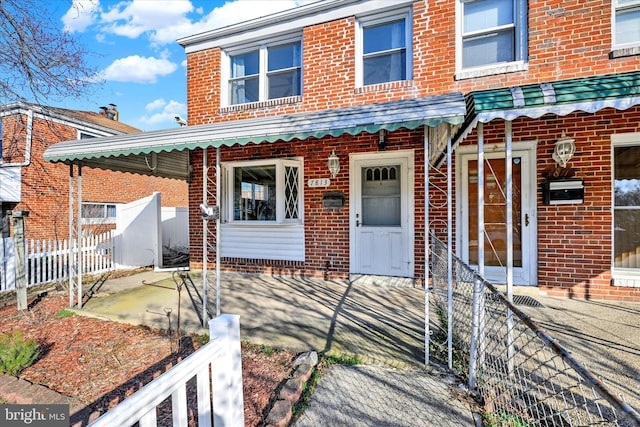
[133,45]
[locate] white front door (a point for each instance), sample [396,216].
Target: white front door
[381,214]
[524,213]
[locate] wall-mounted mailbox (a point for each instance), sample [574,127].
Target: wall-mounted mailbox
[333,200]
[563,192]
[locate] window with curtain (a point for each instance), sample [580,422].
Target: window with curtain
[626,213]
[384,51]
[626,23]
[493,32]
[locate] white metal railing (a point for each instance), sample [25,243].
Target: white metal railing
[217,368]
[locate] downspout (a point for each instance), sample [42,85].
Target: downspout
[28,139]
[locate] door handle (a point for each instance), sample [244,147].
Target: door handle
[526,220]
[357,220]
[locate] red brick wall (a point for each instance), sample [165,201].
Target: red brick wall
[567,39]
[326,231]
[45,185]
[575,241]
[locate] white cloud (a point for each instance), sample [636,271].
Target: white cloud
[168,112]
[131,19]
[155,105]
[137,69]
[167,20]
[81,14]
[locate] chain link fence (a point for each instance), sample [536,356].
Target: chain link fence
[522,375]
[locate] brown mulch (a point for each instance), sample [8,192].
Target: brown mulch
[99,363]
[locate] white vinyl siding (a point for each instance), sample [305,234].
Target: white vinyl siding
[272,242]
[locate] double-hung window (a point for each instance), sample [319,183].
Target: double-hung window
[626,23]
[385,43]
[266,72]
[493,32]
[266,191]
[626,207]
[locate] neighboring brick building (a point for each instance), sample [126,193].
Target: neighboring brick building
[30,184]
[376,83]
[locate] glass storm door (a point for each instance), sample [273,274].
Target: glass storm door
[381,240]
[495,241]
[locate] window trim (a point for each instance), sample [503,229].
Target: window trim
[280,164]
[102,220]
[225,94]
[381,18]
[520,62]
[622,49]
[623,277]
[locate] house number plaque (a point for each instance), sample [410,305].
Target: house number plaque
[320,182]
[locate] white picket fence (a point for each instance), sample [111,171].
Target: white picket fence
[47,261]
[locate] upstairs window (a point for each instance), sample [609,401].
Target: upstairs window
[492,32]
[626,23]
[267,72]
[386,49]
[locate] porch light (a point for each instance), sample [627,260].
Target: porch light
[333,164]
[563,151]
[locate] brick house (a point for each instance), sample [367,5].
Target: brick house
[406,95]
[29,183]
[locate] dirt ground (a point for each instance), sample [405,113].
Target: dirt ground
[100,362]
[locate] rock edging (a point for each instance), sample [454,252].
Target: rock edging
[282,410]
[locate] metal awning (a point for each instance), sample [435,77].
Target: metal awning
[562,97]
[589,94]
[166,152]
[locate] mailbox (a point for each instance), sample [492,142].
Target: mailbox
[333,200]
[563,192]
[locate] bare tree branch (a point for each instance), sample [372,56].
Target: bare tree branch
[39,62]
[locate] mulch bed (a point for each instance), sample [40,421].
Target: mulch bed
[101,362]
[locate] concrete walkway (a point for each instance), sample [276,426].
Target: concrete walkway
[383,326]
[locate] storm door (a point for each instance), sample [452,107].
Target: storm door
[381,228]
[523,224]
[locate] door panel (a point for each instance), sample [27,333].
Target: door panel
[523,224]
[381,232]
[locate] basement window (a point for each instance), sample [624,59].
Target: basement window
[98,213]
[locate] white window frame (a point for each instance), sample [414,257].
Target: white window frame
[616,7]
[520,62]
[280,165]
[225,94]
[624,277]
[370,20]
[105,219]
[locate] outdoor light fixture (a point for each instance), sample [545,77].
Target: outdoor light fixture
[563,151]
[333,164]
[382,141]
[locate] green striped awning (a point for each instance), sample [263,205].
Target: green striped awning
[589,94]
[166,152]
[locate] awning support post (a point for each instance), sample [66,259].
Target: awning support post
[449,250]
[427,275]
[509,213]
[477,318]
[218,231]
